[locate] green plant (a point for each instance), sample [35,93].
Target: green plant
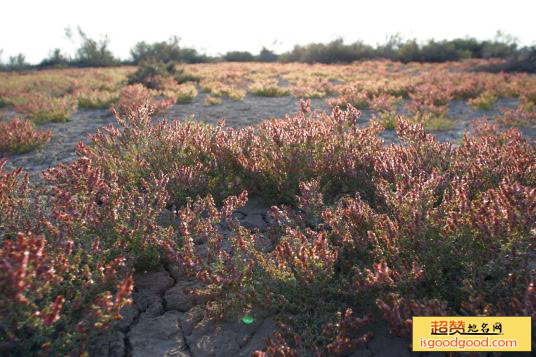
[485,101]
[238,56]
[435,123]
[169,51]
[387,119]
[268,89]
[212,100]
[157,75]
[186,94]
[55,59]
[97,99]
[92,53]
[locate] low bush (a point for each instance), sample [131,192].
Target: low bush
[183,93]
[4,102]
[155,75]
[436,123]
[312,88]
[429,99]
[485,101]
[237,94]
[518,117]
[42,108]
[96,99]
[137,95]
[218,89]
[268,89]
[387,119]
[20,136]
[384,102]
[150,75]
[359,99]
[212,100]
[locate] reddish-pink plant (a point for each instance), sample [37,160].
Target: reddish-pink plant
[20,136]
[43,108]
[136,95]
[48,291]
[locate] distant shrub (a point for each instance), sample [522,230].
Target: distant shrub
[333,52]
[55,59]
[92,53]
[238,56]
[169,51]
[267,55]
[442,51]
[15,63]
[502,46]
[523,61]
[408,52]
[396,49]
[469,47]
[150,75]
[154,75]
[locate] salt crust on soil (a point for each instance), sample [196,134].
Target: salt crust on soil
[165,320]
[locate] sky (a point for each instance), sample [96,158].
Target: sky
[35,27]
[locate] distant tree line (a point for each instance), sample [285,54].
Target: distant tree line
[397,49]
[96,53]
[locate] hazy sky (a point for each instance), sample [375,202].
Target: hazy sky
[34,27]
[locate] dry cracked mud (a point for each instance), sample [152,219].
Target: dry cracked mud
[167,320]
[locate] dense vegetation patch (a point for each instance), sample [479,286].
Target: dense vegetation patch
[363,232]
